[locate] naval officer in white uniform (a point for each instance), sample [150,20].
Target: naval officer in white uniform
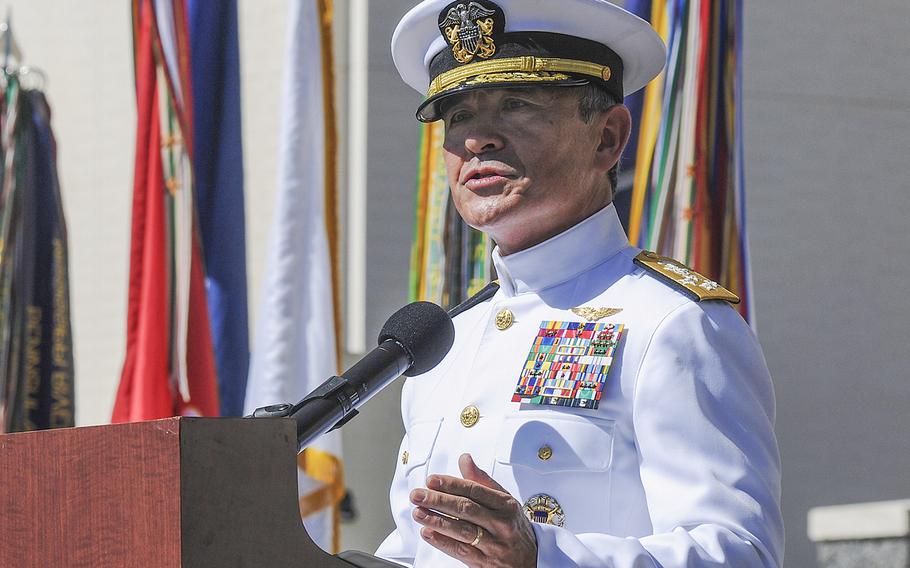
[603,406]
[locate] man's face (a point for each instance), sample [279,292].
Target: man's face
[522,164]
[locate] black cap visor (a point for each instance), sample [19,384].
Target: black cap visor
[430,110]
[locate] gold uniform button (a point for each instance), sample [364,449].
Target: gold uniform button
[404,458]
[545,453]
[469,416]
[504,320]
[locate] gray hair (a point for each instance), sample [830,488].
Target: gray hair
[593,100]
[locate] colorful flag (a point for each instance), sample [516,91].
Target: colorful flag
[169,368]
[297,343]
[688,200]
[218,169]
[36,347]
[622,198]
[450,261]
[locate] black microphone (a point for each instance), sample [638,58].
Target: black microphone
[413,341]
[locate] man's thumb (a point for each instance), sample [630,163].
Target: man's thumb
[471,472]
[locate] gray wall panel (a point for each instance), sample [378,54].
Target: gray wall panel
[816,47]
[827,123]
[393,138]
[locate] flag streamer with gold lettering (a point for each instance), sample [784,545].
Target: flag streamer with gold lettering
[36,346]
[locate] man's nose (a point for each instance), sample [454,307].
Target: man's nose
[484,141]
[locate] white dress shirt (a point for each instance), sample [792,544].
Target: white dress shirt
[678,466]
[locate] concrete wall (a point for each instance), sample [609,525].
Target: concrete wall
[828,128]
[827,121]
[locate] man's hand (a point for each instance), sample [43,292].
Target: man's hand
[480,523]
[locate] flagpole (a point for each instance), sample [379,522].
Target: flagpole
[358,72]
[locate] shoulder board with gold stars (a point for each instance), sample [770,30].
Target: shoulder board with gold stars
[488,292]
[681,276]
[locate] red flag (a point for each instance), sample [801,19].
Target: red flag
[154,368]
[200,361]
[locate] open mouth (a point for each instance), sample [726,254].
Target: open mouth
[483,181]
[483,178]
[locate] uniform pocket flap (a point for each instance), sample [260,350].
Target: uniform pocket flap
[421,438]
[555,442]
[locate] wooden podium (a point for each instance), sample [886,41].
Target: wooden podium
[180,492]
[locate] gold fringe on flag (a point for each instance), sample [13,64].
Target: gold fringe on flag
[317,464]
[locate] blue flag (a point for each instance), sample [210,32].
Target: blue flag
[218,168]
[36,342]
[38,378]
[642,9]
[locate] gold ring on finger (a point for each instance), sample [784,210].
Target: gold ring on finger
[477,538]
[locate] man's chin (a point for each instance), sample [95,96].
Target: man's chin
[499,223]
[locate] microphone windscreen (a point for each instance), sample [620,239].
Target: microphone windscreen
[425,331]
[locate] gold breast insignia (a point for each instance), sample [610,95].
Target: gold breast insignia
[595,314]
[545,510]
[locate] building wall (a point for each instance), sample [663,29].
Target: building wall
[827,132]
[827,120]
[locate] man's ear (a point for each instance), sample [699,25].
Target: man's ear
[615,127]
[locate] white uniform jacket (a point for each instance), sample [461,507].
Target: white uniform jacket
[677,467]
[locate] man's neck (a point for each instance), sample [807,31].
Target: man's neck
[534,238]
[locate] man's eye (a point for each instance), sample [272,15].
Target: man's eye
[458,116]
[514,103]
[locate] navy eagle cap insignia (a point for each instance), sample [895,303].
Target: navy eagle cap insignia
[469,27]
